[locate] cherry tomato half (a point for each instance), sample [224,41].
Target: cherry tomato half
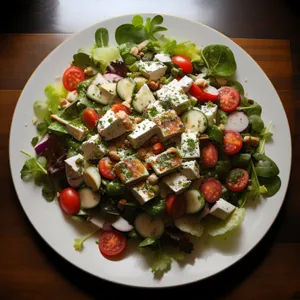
[237,180]
[176,206]
[120,107]
[229,99]
[210,155]
[112,243]
[105,167]
[204,94]
[211,190]
[69,201]
[232,142]
[158,148]
[90,118]
[71,77]
[184,63]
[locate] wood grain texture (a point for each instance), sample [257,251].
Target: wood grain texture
[30,269]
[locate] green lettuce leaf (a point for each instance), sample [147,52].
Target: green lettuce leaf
[190,50]
[105,55]
[214,226]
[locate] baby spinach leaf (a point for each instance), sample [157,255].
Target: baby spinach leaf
[147,242]
[34,141]
[265,135]
[219,60]
[155,207]
[238,86]
[272,184]
[254,109]
[101,37]
[83,60]
[265,166]
[137,21]
[221,117]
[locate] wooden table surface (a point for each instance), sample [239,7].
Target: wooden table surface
[30,269]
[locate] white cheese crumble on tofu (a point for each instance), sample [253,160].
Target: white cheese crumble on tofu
[144,192]
[162,58]
[152,70]
[222,209]
[210,111]
[190,145]
[190,169]
[110,127]
[154,109]
[93,148]
[185,83]
[74,170]
[142,133]
[78,132]
[177,182]
[174,94]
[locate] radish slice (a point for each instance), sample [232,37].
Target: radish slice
[237,121]
[204,212]
[211,90]
[42,145]
[122,225]
[111,77]
[98,221]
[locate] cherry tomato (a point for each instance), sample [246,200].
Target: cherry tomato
[210,155]
[204,95]
[69,201]
[105,167]
[184,63]
[229,98]
[112,243]
[120,107]
[158,148]
[90,118]
[211,190]
[232,141]
[237,180]
[176,206]
[148,166]
[71,77]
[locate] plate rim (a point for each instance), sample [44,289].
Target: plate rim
[73,35]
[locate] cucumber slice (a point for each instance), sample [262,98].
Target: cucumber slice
[142,99]
[194,120]
[194,201]
[94,93]
[148,226]
[92,178]
[88,198]
[125,89]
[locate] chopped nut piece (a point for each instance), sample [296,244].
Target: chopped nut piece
[134,51]
[64,103]
[251,140]
[221,81]
[153,179]
[89,71]
[121,204]
[201,82]
[127,123]
[204,136]
[144,153]
[222,127]
[153,85]
[114,155]
[138,120]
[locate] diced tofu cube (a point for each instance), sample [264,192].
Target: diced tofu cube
[78,132]
[177,182]
[71,96]
[190,145]
[99,79]
[74,170]
[164,190]
[152,70]
[124,152]
[210,111]
[142,133]
[154,109]
[162,58]
[222,209]
[144,192]
[110,126]
[190,169]
[166,162]
[185,83]
[108,91]
[174,94]
[169,124]
[131,170]
[93,148]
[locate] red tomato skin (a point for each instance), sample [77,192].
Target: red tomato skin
[241,183]
[210,155]
[71,77]
[211,190]
[176,206]
[229,99]
[184,63]
[232,142]
[201,95]
[90,118]
[108,239]
[120,107]
[105,167]
[69,201]
[158,148]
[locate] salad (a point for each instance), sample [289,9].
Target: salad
[152,140]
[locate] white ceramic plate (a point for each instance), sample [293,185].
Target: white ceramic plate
[210,258]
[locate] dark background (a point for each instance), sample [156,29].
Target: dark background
[269,19]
